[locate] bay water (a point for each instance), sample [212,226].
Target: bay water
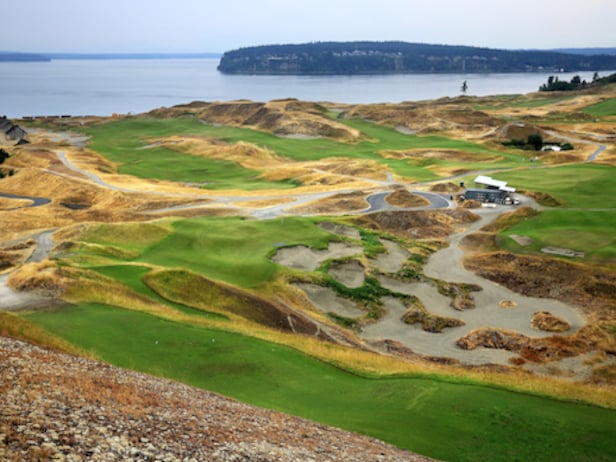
[105,87]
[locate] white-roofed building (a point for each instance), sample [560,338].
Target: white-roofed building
[490,190]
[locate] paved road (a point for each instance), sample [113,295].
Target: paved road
[36,201]
[378,202]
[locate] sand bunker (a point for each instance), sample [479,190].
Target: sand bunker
[393,259]
[522,240]
[329,302]
[340,230]
[307,259]
[350,273]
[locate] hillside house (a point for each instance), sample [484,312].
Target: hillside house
[11,131]
[15,133]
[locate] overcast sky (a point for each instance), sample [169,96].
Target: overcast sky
[216,26]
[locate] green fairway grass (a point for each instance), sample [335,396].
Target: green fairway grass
[605,108]
[582,185]
[590,232]
[122,142]
[234,250]
[446,420]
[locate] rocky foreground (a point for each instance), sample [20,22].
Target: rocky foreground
[60,407]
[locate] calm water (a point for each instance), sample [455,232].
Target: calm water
[94,87]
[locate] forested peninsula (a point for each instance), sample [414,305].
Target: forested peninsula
[10,56]
[340,58]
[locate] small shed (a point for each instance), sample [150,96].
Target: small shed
[490,190]
[15,133]
[494,196]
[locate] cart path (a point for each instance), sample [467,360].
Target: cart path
[592,157]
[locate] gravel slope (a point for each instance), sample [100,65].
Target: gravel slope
[60,407]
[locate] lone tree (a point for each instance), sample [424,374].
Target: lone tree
[3,155]
[464,87]
[536,141]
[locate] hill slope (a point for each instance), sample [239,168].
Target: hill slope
[56,406]
[331,58]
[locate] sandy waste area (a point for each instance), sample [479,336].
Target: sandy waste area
[496,306]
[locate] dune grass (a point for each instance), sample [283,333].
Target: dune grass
[588,231]
[523,101]
[451,421]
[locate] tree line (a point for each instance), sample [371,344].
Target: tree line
[322,58]
[576,83]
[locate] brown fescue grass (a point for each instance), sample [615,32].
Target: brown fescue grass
[401,197]
[509,219]
[12,204]
[245,154]
[15,254]
[42,276]
[448,155]
[120,233]
[446,116]
[341,203]
[281,117]
[565,106]
[263,203]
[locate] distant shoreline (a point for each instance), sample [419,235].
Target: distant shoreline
[48,57]
[395,57]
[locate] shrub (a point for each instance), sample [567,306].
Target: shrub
[535,140]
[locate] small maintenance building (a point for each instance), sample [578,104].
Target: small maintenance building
[489,190]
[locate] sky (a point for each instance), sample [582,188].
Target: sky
[194,26]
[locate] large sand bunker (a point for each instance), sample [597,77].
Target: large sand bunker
[444,266]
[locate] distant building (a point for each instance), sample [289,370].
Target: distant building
[489,190]
[494,196]
[15,133]
[11,131]
[551,147]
